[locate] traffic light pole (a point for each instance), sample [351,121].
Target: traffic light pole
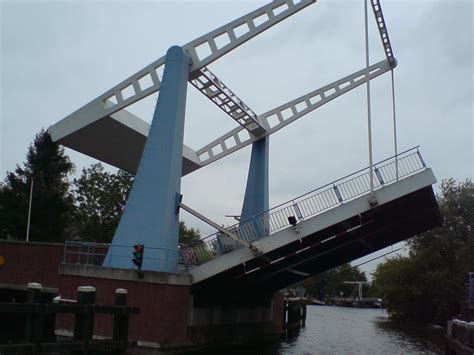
[151,214]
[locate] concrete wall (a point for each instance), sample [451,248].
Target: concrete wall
[169,316]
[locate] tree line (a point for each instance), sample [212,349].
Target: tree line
[88,208]
[428,284]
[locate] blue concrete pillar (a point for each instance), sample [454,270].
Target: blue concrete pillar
[150,217]
[256,191]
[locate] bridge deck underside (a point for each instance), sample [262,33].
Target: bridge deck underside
[117,140]
[353,238]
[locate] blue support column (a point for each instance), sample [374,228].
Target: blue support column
[256,191]
[151,215]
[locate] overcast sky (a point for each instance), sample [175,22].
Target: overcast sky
[57,56]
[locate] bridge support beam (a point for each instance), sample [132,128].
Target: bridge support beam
[151,214]
[256,191]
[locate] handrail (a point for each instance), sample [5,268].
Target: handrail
[309,204]
[415,148]
[92,253]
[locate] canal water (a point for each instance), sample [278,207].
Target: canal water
[339,330]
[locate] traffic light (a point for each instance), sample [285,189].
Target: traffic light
[138,255]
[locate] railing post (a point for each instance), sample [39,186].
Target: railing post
[184,256]
[84,321]
[303,315]
[338,193]
[111,254]
[421,158]
[297,210]
[88,254]
[379,176]
[33,330]
[120,327]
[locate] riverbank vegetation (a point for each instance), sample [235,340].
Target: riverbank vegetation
[331,284]
[88,208]
[428,284]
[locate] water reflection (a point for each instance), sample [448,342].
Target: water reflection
[336,330]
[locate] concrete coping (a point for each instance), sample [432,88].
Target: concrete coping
[35,285]
[121,291]
[90,271]
[86,289]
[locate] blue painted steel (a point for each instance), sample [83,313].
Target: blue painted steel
[256,191]
[150,217]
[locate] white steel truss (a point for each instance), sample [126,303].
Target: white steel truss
[289,112]
[383,31]
[215,90]
[203,51]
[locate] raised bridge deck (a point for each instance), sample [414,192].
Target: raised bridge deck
[335,224]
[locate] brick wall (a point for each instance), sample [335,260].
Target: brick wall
[164,309]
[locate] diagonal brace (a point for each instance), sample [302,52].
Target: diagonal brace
[203,51]
[289,112]
[215,225]
[216,91]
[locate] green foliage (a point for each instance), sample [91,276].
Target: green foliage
[331,283]
[52,204]
[427,285]
[100,198]
[90,213]
[188,235]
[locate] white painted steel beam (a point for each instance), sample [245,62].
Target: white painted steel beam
[117,140]
[203,51]
[215,225]
[287,113]
[216,91]
[382,27]
[314,224]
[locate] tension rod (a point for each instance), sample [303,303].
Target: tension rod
[215,225]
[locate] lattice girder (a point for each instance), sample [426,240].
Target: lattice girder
[203,51]
[216,91]
[289,112]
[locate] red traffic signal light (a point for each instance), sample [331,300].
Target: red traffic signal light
[138,255]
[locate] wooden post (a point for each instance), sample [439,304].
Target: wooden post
[33,322]
[84,322]
[120,328]
[303,315]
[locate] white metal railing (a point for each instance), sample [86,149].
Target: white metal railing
[94,254]
[310,204]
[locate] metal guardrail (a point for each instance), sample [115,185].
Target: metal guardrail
[89,253]
[302,207]
[310,204]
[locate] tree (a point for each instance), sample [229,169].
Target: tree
[100,198]
[331,283]
[52,204]
[188,235]
[428,284]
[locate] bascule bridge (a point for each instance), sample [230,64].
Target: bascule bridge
[270,248]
